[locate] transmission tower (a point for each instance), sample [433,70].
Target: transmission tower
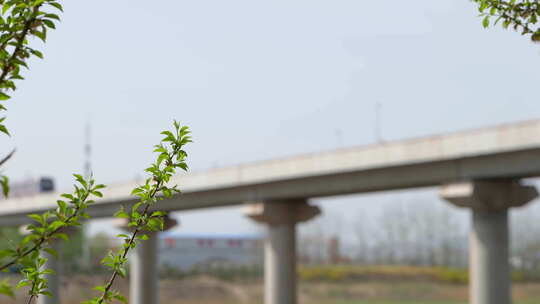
[87,151]
[85,259]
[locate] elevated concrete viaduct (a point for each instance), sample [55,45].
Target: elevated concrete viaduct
[479,169]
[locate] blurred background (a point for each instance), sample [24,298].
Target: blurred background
[259,80]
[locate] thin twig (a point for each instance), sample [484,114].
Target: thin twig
[138,229]
[5,159]
[126,250]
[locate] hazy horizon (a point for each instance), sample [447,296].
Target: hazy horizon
[261,80]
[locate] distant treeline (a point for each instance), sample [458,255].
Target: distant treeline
[414,233]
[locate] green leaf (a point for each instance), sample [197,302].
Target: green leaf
[38,2]
[161,158]
[62,236]
[122,272]
[6,289]
[100,288]
[97,193]
[536,36]
[99,186]
[6,7]
[136,207]
[41,35]
[67,195]
[49,23]
[61,205]
[52,16]
[121,214]
[56,225]
[51,251]
[120,298]
[4,183]
[137,191]
[4,130]
[36,217]
[57,5]
[485,22]
[4,96]
[158,214]
[22,283]
[79,178]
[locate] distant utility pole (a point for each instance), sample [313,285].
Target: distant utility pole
[378,121]
[87,151]
[339,137]
[87,173]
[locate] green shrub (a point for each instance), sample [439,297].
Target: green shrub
[343,273]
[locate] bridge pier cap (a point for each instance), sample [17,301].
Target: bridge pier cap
[281,212]
[489,195]
[489,240]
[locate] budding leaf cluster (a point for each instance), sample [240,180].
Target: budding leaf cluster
[45,228]
[520,15]
[142,217]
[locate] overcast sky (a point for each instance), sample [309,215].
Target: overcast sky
[260,79]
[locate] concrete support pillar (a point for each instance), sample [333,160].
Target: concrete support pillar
[53,279]
[489,268]
[280,246]
[143,268]
[280,264]
[489,247]
[143,272]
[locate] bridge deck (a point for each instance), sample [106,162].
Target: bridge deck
[497,152]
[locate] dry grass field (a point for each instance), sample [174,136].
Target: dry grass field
[208,290]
